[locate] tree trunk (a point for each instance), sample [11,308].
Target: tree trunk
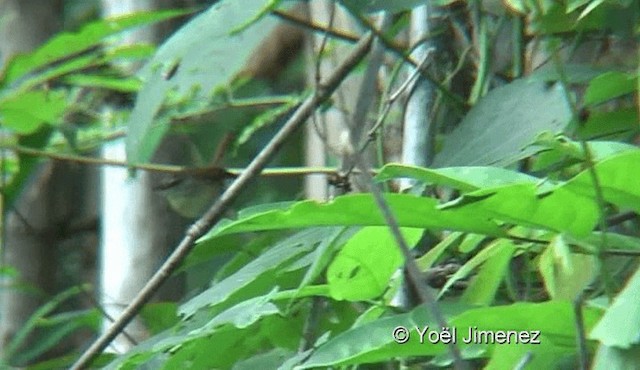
[54,201]
[138,226]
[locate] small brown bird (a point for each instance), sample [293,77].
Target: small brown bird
[192,191]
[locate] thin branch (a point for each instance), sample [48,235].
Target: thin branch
[581,337]
[597,187]
[328,30]
[396,49]
[162,168]
[413,272]
[216,211]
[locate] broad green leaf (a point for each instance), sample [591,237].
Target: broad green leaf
[618,177]
[608,86]
[559,210]
[545,355]
[498,130]
[198,59]
[373,342]
[361,210]
[554,319]
[483,287]
[609,123]
[69,44]
[286,250]
[323,253]
[18,114]
[159,316]
[363,267]
[462,178]
[245,313]
[620,324]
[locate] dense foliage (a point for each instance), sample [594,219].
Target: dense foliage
[531,206]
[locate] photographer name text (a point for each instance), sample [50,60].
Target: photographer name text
[473,335]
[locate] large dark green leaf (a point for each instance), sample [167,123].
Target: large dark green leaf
[201,57]
[498,130]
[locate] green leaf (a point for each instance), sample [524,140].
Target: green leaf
[566,274]
[17,112]
[125,85]
[268,360]
[363,267]
[608,86]
[245,313]
[470,242]
[464,179]
[609,123]
[67,44]
[426,261]
[616,241]
[560,210]
[615,174]
[484,286]
[198,59]
[159,316]
[498,130]
[267,118]
[268,261]
[607,358]
[16,347]
[323,253]
[486,254]
[620,325]
[361,210]
[555,319]
[372,342]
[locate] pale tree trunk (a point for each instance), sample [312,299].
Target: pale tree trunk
[138,227]
[54,201]
[419,130]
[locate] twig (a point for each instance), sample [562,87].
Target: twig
[413,272]
[162,168]
[581,337]
[328,30]
[216,211]
[589,161]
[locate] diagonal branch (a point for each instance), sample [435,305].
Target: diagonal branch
[216,211]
